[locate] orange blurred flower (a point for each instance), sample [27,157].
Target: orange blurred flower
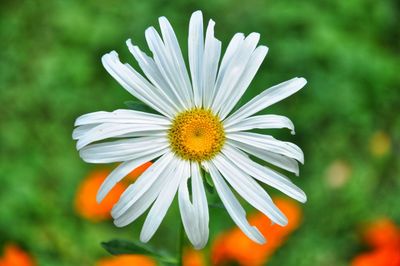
[384,237]
[127,260]
[85,199]
[234,246]
[14,256]
[193,257]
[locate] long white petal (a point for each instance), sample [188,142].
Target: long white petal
[167,68]
[152,72]
[234,71]
[233,46]
[200,204]
[121,116]
[194,216]
[250,70]
[196,49]
[144,202]
[164,200]
[122,150]
[110,130]
[121,171]
[175,54]
[266,98]
[248,188]
[135,84]
[263,122]
[279,160]
[141,185]
[233,206]
[212,53]
[264,174]
[269,143]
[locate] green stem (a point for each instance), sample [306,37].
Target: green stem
[180,243]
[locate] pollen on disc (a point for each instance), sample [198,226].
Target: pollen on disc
[196,135]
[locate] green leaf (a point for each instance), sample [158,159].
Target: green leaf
[119,246]
[217,205]
[139,106]
[209,183]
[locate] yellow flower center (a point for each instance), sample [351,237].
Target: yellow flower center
[196,135]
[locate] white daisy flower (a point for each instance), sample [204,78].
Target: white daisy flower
[194,130]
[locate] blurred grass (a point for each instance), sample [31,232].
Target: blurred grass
[50,73]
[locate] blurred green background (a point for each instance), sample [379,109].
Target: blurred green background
[347,117]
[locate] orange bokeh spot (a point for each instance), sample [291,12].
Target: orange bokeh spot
[235,246]
[14,256]
[193,258]
[85,199]
[384,237]
[138,171]
[127,260]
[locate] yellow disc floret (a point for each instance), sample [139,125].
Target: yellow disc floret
[196,135]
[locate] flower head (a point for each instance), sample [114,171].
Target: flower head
[195,130]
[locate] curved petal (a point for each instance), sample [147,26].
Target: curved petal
[252,192]
[122,116]
[163,201]
[279,160]
[264,174]
[144,202]
[122,150]
[212,53]
[152,72]
[135,84]
[167,67]
[266,98]
[269,143]
[141,185]
[194,216]
[121,171]
[233,206]
[234,70]
[110,130]
[263,122]
[253,64]
[196,50]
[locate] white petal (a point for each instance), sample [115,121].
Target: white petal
[244,81]
[80,131]
[121,116]
[212,53]
[152,72]
[266,98]
[110,130]
[141,185]
[233,206]
[234,70]
[163,59]
[269,143]
[174,51]
[196,49]
[122,150]
[261,121]
[235,43]
[194,216]
[144,202]
[135,84]
[164,200]
[281,161]
[264,174]
[252,192]
[120,172]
